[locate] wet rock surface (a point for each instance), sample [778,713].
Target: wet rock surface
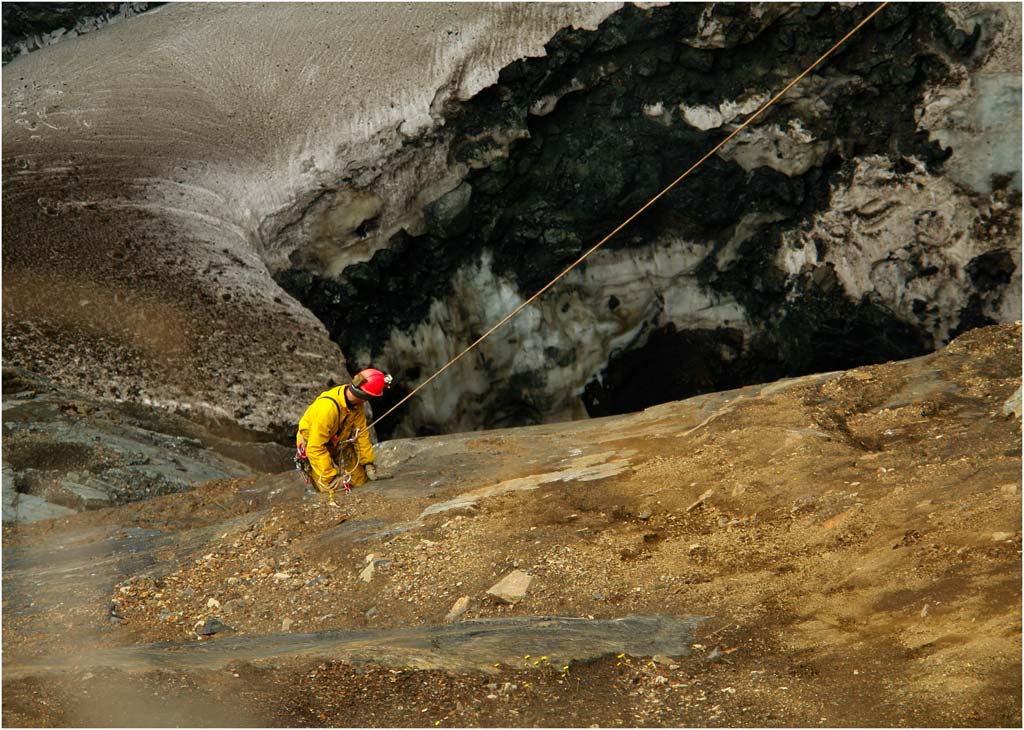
[471,645]
[66,452]
[844,537]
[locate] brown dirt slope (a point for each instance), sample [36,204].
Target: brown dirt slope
[852,541]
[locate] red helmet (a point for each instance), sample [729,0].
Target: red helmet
[370,383]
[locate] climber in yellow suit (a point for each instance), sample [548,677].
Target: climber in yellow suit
[325,450]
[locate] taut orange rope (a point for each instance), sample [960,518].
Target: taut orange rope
[647,205]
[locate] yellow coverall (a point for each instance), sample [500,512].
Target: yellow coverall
[321,422]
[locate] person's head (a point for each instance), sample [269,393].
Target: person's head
[369,384]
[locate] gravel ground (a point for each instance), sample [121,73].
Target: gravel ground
[853,541]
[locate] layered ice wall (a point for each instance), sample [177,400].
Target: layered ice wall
[203,202]
[872,215]
[158,170]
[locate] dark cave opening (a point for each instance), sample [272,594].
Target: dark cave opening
[596,157]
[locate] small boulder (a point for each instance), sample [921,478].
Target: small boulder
[1012,406]
[700,500]
[235,604]
[366,575]
[512,588]
[372,563]
[458,608]
[211,626]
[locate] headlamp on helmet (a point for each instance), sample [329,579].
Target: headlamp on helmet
[370,383]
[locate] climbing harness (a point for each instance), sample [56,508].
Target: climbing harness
[342,453]
[343,448]
[631,218]
[302,465]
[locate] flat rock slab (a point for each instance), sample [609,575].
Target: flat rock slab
[512,588]
[468,645]
[86,496]
[582,468]
[19,507]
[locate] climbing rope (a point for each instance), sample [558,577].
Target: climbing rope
[631,218]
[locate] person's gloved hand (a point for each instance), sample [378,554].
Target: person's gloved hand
[337,484]
[371,472]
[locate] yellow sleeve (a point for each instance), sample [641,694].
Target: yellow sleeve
[320,424]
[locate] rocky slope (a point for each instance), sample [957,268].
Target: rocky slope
[409,176]
[840,549]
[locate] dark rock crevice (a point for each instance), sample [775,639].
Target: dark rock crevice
[30,26]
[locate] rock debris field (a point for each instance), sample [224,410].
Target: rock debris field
[841,549]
